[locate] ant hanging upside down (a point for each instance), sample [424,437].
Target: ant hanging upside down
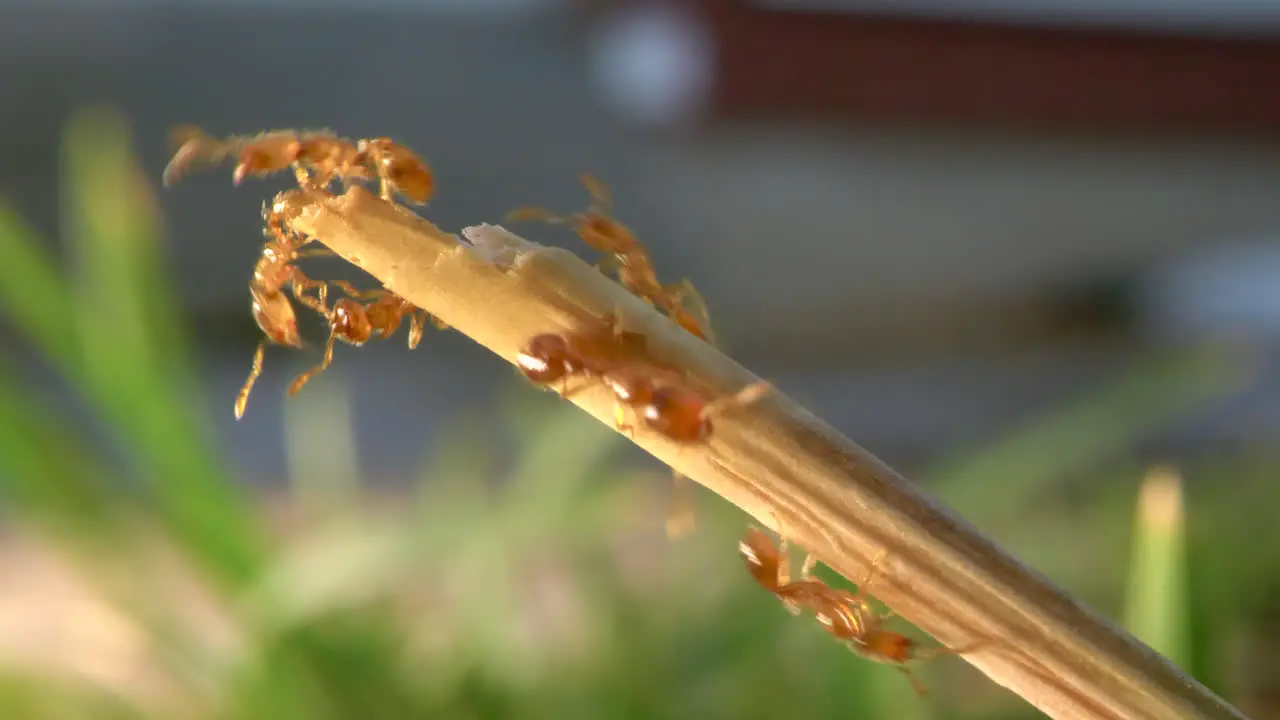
[349,320]
[275,270]
[846,616]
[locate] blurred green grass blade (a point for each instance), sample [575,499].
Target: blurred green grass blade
[1156,604]
[134,366]
[321,458]
[49,476]
[997,481]
[32,697]
[554,468]
[32,293]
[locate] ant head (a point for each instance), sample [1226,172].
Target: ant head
[546,358]
[890,645]
[678,413]
[350,321]
[630,386]
[762,559]
[757,551]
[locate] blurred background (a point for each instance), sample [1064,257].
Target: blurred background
[1025,252]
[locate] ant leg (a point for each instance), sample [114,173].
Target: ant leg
[609,263]
[616,323]
[916,683]
[810,562]
[684,290]
[784,575]
[306,179]
[417,325]
[384,183]
[619,420]
[601,200]
[440,324]
[566,391]
[313,252]
[932,652]
[357,294]
[680,513]
[302,379]
[742,398]
[859,595]
[871,570]
[531,212]
[243,398]
[784,561]
[300,283]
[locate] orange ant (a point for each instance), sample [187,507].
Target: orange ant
[272,310]
[634,266]
[317,158]
[262,154]
[356,323]
[657,392]
[770,565]
[661,396]
[847,616]
[399,170]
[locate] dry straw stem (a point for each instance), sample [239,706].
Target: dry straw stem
[783,466]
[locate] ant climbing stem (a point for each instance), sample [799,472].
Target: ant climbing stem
[629,259]
[271,308]
[626,256]
[656,395]
[317,158]
[848,617]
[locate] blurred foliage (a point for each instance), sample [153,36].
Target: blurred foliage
[539,587]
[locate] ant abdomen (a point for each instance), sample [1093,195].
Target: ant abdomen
[274,315]
[351,322]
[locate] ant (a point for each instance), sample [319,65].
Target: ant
[317,158]
[262,154]
[399,170]
[657,392]
[770,565]
[356,323]
[661,396]
[846,616]
[272,310]
[629,257]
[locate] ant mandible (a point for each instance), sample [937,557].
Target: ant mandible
[632,263]
[846,616]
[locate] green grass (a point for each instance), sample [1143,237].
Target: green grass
[540,588]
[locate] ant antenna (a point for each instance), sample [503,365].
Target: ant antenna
[601,199]
[743,397]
